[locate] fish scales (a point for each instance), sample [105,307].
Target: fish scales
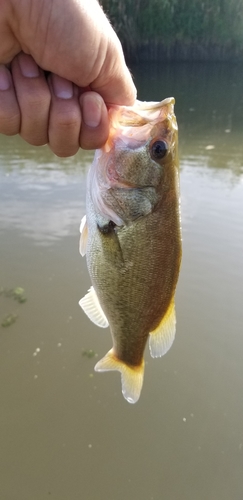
[132,239]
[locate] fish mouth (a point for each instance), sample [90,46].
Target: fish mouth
[143,112]
[132,125]
[128,185]
[116,182]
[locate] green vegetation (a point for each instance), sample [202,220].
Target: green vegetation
[17,294]
[9,319]
[178,29]
[89,353]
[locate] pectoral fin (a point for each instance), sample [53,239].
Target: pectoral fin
[131,377]
[91,306]
[83,237]
[161,339]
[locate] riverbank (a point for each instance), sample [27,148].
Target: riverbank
[156,51]
[178,31]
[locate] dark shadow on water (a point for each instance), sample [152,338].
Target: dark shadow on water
[210,95]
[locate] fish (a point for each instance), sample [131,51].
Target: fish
[131,236]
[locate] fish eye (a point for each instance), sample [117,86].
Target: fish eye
[159,149]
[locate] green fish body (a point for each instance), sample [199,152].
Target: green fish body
[131,236]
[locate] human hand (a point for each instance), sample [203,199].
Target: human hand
[75,42]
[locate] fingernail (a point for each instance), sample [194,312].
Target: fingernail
[5,81]
[92,107]
[28,66]
[62,87]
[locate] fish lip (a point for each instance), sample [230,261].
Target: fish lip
[139,117]
[122,185]
[146,106]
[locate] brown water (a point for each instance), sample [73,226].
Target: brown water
[66,433]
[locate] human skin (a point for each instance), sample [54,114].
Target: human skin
[61,66]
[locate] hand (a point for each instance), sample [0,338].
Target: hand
[74,41]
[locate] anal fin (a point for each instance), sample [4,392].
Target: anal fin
[161,339]
[131,376]
[91,306]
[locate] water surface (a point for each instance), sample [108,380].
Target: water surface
[65,431]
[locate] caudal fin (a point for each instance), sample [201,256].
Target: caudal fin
[131,377]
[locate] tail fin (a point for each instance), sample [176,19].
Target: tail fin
[131,377]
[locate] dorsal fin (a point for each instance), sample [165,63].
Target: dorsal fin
[131,376]
[161,339]
[84,236]
[91,306]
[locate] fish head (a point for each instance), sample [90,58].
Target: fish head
[141,152]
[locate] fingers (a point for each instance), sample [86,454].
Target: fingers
[74,122]
[50,111]
[65,117]
[33,97]
[95,124]
[9,109]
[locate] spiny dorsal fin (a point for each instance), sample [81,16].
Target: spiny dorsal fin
[84,236]
[91,306]
[161,339]
[131,377]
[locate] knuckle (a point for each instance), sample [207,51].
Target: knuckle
[68,120]
[34,140]
[9,123]
[35,103]
[63,151]
[92,140]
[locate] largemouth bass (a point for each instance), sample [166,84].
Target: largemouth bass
[132,238]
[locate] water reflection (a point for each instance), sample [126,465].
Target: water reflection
[15,154]
[208,96]
[41,195]
[209,108]
[68,433]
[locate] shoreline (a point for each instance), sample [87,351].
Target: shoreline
[182,52]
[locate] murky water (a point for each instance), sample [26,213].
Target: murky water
[66,433]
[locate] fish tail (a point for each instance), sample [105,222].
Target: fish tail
[131,376]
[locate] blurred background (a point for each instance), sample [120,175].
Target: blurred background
[178,30]
[65,431]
